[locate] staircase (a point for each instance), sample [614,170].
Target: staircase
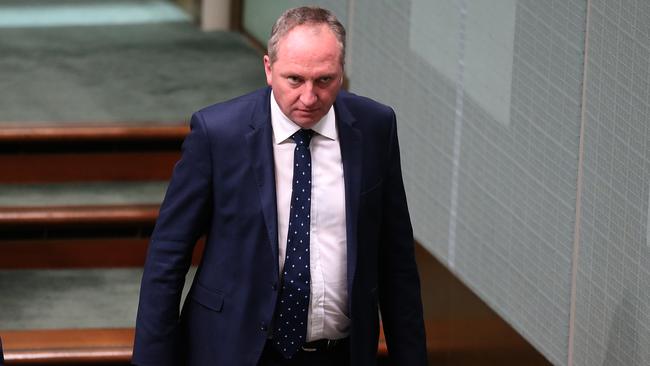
[93,111]
[76,210]
[82,197]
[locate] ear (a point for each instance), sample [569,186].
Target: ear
[267,69]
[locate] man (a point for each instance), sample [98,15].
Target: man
[298,190]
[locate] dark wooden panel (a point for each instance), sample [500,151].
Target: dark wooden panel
[451,340]
[236,14]
[78,253]
[461,329]
[84,167]
[73,253]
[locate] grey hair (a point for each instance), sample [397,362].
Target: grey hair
[311,15]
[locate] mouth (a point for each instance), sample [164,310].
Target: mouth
[307,111]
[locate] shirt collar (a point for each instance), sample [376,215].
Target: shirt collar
[284,128]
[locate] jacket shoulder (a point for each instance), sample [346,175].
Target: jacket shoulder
[358,103]
[239,108]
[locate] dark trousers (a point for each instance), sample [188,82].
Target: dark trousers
[338,356]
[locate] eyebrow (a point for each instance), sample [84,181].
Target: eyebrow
[294,74]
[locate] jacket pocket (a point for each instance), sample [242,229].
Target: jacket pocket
[209,298]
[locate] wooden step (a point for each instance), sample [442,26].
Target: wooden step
[68,346]
[58,226]
[74,346]
[87,166]
[73,253]
[458,337]
[76,236]
[98,252]
[39,154]
[79,132]
[78,215]
[70,222]
[33,211]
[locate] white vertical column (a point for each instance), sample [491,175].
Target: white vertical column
[215,15]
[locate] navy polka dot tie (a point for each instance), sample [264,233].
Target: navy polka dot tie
[291,316]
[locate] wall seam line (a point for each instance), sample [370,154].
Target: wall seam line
[348,41]
[458,129]
[578,216]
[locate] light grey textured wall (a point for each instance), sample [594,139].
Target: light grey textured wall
[526,173]
[613,284]
[492,194]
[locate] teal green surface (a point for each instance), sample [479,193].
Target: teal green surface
[71,298]
[147,72]
[79,194]
[260,15]
[51,13]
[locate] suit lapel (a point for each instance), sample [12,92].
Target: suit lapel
[260,145]
[351,148]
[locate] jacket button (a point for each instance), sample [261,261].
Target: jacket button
[263,327]
[274,286]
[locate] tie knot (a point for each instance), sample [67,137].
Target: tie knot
[302,137]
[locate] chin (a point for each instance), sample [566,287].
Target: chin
[305,122]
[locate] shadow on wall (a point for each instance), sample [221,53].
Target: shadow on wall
[623,338]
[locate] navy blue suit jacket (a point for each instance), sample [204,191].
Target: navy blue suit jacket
[224,187]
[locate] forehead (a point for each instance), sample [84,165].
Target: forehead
[309,43]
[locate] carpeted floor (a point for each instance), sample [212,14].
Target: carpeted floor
[79,194]
[128,72]
[74,298]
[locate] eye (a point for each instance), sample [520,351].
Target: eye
[325,80]
[294,80]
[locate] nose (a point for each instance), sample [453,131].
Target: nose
[308,96]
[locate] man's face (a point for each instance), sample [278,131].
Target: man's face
[307,73]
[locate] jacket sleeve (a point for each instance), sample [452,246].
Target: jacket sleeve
[183,218]
[399,284]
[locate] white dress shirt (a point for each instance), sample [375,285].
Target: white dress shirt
[328,301]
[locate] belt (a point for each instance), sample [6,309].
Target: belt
[323,345]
